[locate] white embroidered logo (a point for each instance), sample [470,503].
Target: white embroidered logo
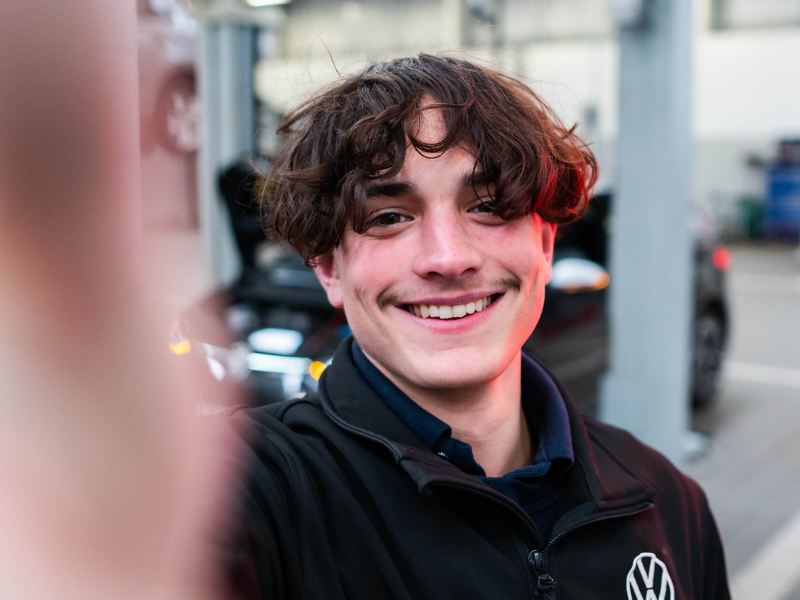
[649,579]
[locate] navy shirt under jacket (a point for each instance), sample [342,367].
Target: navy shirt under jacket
[535,487]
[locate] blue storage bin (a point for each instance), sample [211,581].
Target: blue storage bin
[782,204]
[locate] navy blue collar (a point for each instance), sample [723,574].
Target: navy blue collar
[542,402]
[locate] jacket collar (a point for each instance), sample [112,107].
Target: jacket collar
[598,477]
[345,394]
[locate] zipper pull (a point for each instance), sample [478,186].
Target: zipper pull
[546,587]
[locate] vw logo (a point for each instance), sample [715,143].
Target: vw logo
[649,579]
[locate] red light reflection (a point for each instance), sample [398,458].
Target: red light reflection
[721,258]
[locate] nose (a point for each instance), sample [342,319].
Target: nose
[446,248]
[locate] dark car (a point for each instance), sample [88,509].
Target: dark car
[572,335]
[285,331]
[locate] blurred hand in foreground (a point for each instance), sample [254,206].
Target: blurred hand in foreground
[110,485]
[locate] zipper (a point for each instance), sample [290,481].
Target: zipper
[541,581]
[546,586]
[628,512]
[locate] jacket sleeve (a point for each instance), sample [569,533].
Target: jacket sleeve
[255,547]
[715,576]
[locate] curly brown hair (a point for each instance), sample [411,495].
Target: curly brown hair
[359,130]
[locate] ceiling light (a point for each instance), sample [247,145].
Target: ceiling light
[260,3]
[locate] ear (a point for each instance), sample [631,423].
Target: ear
[548,238]
[328,274]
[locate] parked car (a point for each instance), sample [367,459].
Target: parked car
[285,330]
[572,336]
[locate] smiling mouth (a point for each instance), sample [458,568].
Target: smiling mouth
[450,311]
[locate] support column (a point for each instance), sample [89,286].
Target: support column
[227,132]
[646,390]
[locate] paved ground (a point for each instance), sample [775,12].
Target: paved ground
[752,471]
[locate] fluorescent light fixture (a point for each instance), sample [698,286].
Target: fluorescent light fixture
[270,363]
[260,3]
[275,340]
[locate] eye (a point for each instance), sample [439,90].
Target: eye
[386,219]
[484,211]
[484,206]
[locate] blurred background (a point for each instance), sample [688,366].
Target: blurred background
[673,308]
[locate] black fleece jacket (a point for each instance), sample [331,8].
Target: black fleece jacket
[341,500]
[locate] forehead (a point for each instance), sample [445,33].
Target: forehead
[429,127]
[457,162]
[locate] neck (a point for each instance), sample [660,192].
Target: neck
[488,417]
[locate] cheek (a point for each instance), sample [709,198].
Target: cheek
[535,275]
[361,286]
[529,264]
[371,269]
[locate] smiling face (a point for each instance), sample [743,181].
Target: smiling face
[439,292]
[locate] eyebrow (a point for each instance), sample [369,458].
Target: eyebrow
[477,179]
[393,189]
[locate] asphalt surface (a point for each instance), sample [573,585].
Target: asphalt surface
[751,472]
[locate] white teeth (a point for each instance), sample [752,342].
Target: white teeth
[455,311]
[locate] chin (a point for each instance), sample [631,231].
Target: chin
[458,372]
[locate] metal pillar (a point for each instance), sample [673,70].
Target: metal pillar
[646,390]
[227,132]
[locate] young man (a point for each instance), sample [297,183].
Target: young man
[438,461]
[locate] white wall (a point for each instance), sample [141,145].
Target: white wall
[314,28]
[747,83]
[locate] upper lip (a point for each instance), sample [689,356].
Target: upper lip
[450,300]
